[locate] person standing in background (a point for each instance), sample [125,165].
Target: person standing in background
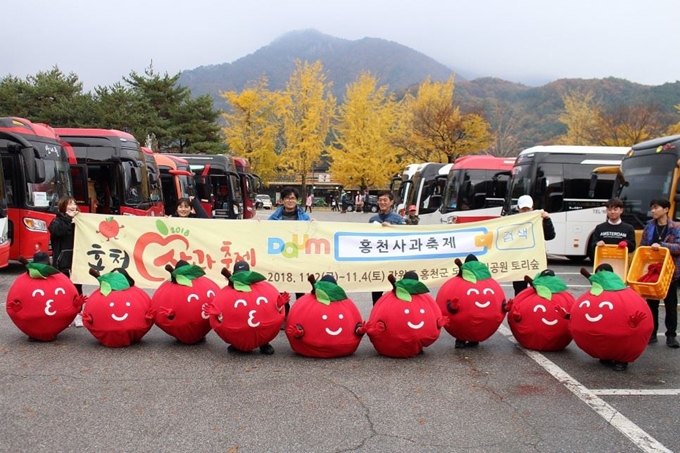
[309,202]
[614,230]
[526,204]
[62,235]
[385,217]
[412,218]
[290,211]
[660,232]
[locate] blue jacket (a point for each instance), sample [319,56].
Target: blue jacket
[391,217]
[671,241]
[278,214]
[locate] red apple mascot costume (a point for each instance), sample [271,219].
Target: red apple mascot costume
[118,313]
[179,303]
[404,320]
[43,301]
[324,323]
[536,315]
[248,313]
[611,322]
[473,302]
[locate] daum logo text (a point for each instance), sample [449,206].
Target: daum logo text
[294,247]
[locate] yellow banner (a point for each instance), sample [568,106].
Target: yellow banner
[359,255]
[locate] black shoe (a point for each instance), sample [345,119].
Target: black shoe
[653,339]
[267,349]
[460,344]
[620,366]
[472,344]
[607,362]
[671,342]
[231,348]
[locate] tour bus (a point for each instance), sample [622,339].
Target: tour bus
[36,173]
[558,180]
[154,180]
[108,170]
[649,170]
[177,180]
[218,181]
[250,186]
[4,240]
[475,188]
[428,192]
[408,187]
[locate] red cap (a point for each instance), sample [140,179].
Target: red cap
[412,208]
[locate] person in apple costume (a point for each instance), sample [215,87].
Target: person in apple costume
[248,312]
[611,322]
[179,303]
[405,320]
[43,301]
[324,323]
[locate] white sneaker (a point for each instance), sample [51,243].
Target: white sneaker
[78,322]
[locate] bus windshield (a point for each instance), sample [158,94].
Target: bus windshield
[135,184]
[647,177]
[474,189]
[56,185]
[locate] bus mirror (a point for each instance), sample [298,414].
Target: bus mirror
[677,198]
[136,175]
[35,167]
[593,183]
[542,185]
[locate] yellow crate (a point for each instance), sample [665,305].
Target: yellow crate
[643,257]
[613,255]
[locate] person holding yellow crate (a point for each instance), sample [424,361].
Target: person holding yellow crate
[659,232]
[614,230]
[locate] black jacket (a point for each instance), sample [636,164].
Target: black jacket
[62,232]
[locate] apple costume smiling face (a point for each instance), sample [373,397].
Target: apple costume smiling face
[179,303]
[43,302]
[405,320]
[611,321]
[324,323]
[536,316]
[118,313]
[248,313]
[473,300]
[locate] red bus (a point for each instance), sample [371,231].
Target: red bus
[475,188]
[218,181]
[250,186]
[36,174]
[154,179]
[4,240]
[108,170]
[177,180]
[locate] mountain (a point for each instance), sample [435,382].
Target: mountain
[535,110]
[343,60]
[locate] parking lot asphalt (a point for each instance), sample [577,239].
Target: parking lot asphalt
[73,394]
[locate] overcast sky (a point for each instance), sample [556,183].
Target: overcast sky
[518,40]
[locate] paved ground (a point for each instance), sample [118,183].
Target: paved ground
[75,395]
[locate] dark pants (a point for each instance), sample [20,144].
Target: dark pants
[376,295]
[670,303]
[79,287]
[297,296]
[519,286]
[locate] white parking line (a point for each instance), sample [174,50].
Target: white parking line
[636,392]
[639,437]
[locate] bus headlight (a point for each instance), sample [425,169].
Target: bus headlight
[35,224]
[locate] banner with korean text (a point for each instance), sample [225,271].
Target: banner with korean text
[359,255]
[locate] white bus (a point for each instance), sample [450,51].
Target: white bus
[558,180]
